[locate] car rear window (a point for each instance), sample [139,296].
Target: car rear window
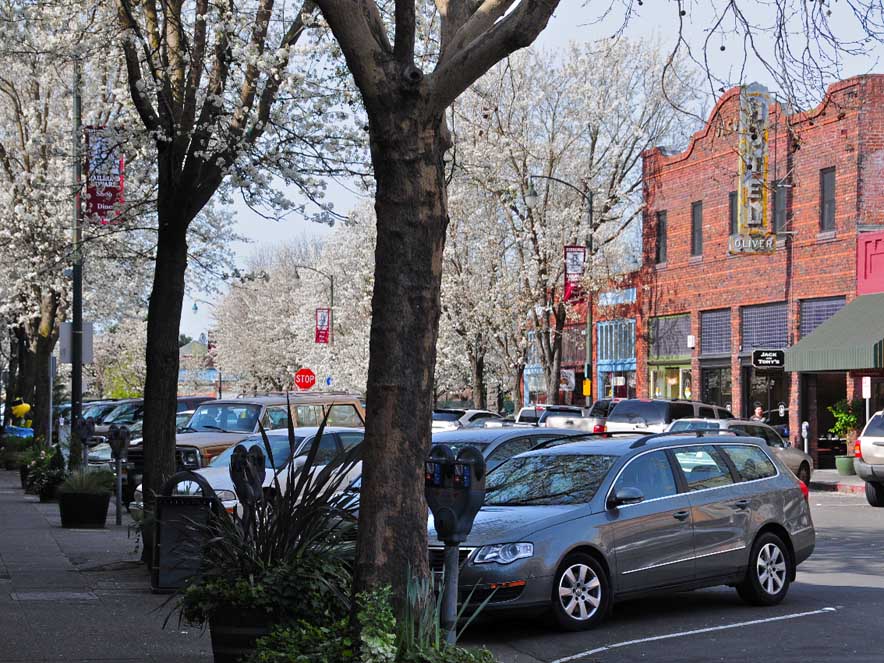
[547,479]
[447,416]
[875,427]
[751,462]
[344,415]
[457,446]
[600,409]
[632,411]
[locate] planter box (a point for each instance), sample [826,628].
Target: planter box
[23,473]
[844,465]
[83,510]
[235,631]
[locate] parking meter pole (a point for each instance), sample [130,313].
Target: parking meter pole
[119,503]
[449,595]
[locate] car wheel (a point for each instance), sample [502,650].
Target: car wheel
[804,473]
[770,569]
[581,593]
[874,493]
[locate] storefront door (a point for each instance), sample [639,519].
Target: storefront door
[617,384]
[768,388]
[715,385]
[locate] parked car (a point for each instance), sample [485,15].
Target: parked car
[538,414]
[591,421]
[182,419]
[218,425]
[575,527]
[334,442]
[453,418]
[98,410]
[795,459]
[130,413]
[868,458]
[654,416]
[499,444]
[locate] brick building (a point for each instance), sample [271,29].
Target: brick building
[703,310]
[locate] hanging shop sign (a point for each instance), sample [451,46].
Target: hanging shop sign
[753,222]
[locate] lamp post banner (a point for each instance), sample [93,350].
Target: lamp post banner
[104,177]
[323,325]
[575,259]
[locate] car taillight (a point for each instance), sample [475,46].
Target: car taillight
[858,449]
[598,428]
[804,490]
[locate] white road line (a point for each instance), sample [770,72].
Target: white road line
[698,631]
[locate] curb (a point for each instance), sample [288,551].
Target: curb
[845,488]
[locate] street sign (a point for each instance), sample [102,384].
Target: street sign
[769,358]
[867,386]
[65,344]
[305,379]
[323,325]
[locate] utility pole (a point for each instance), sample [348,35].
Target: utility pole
[77,327]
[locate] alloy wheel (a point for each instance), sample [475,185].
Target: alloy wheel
[771,568]
[580,592]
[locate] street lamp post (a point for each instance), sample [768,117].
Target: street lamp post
[331,298]
[531,199]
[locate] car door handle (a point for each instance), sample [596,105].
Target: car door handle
[681,515]
[741,504]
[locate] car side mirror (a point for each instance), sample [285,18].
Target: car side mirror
[625,495]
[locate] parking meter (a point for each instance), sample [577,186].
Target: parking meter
[84,429]
[247,472]
[805,433]
[455,491]
[118,437]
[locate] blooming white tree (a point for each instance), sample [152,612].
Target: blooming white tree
[264,329]
[542,114]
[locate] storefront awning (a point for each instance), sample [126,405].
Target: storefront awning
[852,339]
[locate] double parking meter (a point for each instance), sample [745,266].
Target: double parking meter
[455,491]
[84,429]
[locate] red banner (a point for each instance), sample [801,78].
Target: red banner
[575,258]
[323,325]
[104,177]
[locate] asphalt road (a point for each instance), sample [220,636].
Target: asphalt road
[833,611]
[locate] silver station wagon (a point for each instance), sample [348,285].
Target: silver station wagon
[578,524]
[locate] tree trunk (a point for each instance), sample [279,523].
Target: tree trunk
[11,378]
[477,367]
[44,343]
[27,370]
[554,369]
[161,381]
[412,217]
[517,388]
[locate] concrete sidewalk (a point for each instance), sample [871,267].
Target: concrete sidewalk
[830,480]
[79,595]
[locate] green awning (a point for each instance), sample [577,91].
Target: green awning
[852,339]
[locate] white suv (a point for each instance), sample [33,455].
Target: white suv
[868,458]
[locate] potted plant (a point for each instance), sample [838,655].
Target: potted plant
[284,555]
[846,426]
[84,497]
[46,473]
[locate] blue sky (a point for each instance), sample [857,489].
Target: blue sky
[573,21]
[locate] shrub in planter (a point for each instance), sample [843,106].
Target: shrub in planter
[286,556]
[84,497]
[45,473]
[846,425]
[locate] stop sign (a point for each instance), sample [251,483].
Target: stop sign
[305,379]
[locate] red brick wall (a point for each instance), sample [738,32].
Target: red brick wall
[845,131]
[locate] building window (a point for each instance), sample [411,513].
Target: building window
[715,385]
[532,353]
[765,326]
[669,336]
[573,344]
[779,207]
[732,211]
[815,312]
[616,340]
[715,332]
[697,229]
[662,228]
[827,199]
